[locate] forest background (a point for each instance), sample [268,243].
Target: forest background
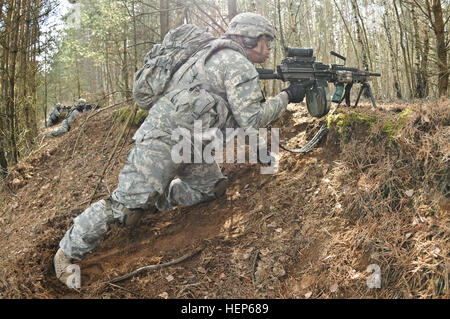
[59,51]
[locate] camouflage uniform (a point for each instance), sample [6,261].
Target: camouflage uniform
[54,115]
[220,87]
[67,123]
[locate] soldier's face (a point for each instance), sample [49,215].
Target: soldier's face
[261,52]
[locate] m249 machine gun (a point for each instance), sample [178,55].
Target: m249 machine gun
[300,66]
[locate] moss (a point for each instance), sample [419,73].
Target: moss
[344,122]
[122,115]
[392,127]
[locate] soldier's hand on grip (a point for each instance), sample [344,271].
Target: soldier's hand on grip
[296,91]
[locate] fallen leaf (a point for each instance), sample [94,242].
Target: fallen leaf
[155,259]
[201,269]
[308,295]
[409,193]
[170,278]
[334,288]
[164,295]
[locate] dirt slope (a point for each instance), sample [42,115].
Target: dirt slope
[374,191]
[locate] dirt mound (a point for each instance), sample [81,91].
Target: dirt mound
[372,195]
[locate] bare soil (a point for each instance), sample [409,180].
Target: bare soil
[367,194]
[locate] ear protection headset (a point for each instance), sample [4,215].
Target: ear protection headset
[249,43]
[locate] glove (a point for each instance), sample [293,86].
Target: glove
[296,91]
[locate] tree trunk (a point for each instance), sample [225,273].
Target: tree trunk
[125,71]
[33,56]
[135,62]
[421,81]
[405,58]
[181,14]
[280,22]
[78,79]
[359,36]
[441,48]
[348,31]
[10,100]
[232,9]
[45,91]
[3,162]
[394,56]
[164,17]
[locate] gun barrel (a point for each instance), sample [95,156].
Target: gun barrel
[267,74]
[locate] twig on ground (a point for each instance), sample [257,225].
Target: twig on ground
[131,292]
[157,266]
[255,259]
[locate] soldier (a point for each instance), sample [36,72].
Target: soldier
[54,115]
[223,72]
[71,115]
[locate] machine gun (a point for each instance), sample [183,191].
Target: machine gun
[300,66]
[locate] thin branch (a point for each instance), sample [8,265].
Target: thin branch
[133,111]
[421,9]
[157,266]
[131,292]
[201,18]
[141,43]
[348,30]
[211,18]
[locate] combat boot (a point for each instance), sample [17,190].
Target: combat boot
[61,262]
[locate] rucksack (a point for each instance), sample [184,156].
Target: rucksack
[150,82]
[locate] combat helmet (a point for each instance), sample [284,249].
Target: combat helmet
[250,25]
[81,102]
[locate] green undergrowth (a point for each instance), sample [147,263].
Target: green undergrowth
[389,125]
[392,126]
[122,114]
